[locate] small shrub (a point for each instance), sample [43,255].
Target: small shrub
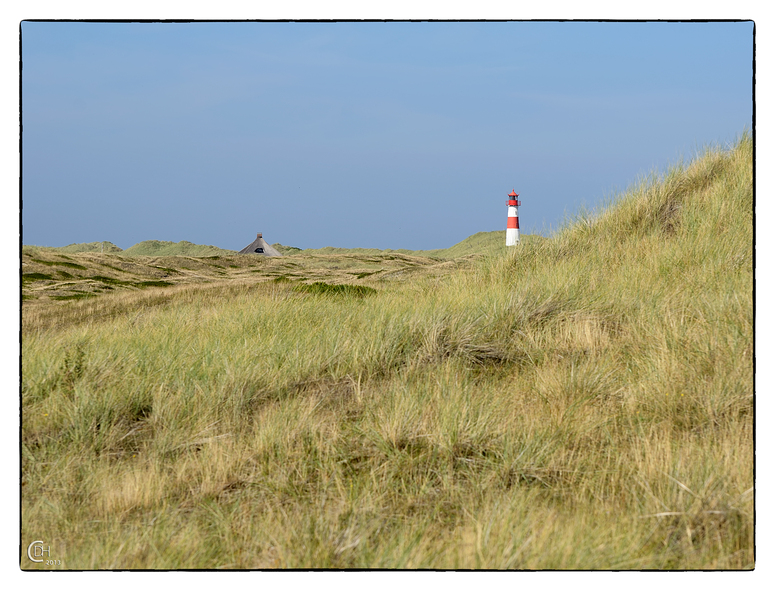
[27,277]
[60,263]
[142,284]
[76,296]
[320,288]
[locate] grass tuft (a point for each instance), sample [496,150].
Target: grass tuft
[27,277]
[342,289]
[58,263]
[152,284]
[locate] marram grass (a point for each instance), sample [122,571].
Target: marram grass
[582,402]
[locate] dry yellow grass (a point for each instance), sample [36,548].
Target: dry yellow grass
[584,402]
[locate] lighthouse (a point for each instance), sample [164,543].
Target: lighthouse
[512,222]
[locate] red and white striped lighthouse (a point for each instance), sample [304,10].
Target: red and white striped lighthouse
[512,223]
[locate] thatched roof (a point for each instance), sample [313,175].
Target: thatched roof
[260,246]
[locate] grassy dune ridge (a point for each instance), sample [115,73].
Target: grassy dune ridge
[144,248]
[583,401]
[61,289]
[479,243]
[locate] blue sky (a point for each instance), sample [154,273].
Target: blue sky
[386,135]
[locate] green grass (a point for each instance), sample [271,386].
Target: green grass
[146,248]
[113,267]
[578,402]
[94,247]
[152,284]
[364,274]
[182,248]
[75,296]
[27,277]
[286,250]
[109,280]
[479,243]
[59,263]
[488,243]
[491,243]
[342,289]
[167,270]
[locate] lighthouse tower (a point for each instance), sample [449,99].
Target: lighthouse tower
[512,224]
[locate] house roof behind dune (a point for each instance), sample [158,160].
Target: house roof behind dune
[260,246]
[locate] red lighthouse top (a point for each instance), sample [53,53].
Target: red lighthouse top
[513,194]
[513,199]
